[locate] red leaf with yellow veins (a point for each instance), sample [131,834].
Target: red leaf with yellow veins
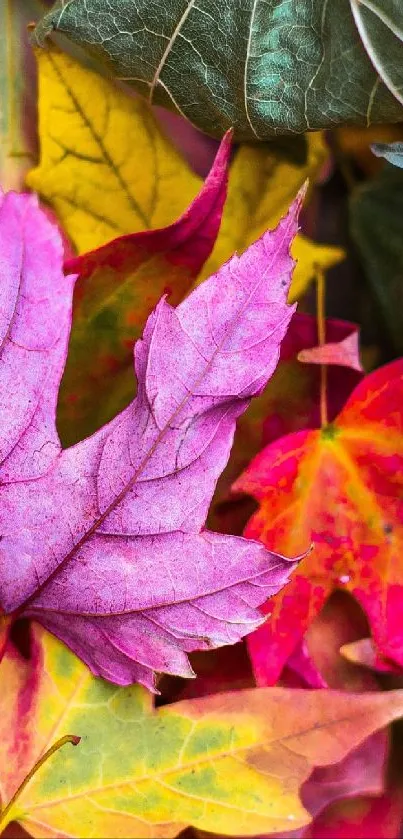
[341,489]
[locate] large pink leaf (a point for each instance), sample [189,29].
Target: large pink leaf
[104,542]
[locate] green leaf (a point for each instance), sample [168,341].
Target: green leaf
[17,91]
[392,152]
[380,24]
[264,67]
[376,221]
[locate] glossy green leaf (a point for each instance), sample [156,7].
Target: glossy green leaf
[262,66]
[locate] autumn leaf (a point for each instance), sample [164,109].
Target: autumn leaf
[290,402]
[364,818]
[261,188]
[119,285]
[363,770]
[17,92]
[105,166]
[340,489]
[264,68]
[344,353]
[103,542]
[364,653]
[231,763]
[79,176]
[71,177]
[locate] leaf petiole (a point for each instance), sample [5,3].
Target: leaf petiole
[68,738]
[320,313]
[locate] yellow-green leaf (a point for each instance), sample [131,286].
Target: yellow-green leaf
[105,167]
[17,91]
[119,285]
[261,187]
[231,763]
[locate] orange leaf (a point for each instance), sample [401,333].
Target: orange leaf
[340,488]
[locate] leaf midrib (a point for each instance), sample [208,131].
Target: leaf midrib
[328,724]
[99,141]
[117,500]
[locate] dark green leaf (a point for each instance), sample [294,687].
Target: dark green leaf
[265,67]
[380,24]
[376,218]
[392,152]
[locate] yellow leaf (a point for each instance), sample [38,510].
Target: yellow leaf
[232,763]
[106,168]
[261,188]
[309,255]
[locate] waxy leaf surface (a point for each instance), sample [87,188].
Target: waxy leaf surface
[105,165]
[119,285]
[264,68]
[231,763]
[339,488]
[103,542]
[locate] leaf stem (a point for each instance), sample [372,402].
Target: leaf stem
[320,314]
[68,738]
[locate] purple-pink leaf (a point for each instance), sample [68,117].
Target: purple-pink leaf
[345,353]
[103,542]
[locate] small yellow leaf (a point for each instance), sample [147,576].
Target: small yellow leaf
[106,168]
[261,188]
[309,255]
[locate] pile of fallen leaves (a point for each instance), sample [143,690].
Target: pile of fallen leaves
[201,474]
